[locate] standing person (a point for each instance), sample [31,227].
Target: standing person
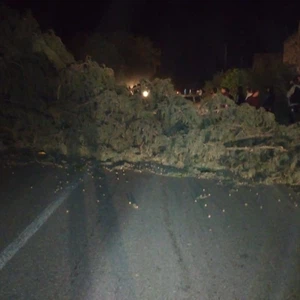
[293,96]
[200,92]
[229,94]
[249,93]
[240,96]
[253,100]
[269,101]
[226,92]
[214,92]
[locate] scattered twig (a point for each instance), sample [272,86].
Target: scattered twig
[251,149]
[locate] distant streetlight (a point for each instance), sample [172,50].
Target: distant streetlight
[145,94]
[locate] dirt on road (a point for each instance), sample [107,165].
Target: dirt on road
[120,234]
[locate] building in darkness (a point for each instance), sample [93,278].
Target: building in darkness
[266,61]
[291,50]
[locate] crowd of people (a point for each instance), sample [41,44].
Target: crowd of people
[252,97]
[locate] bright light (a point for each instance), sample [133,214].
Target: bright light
[145,94]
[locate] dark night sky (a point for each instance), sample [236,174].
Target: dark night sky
[191,34]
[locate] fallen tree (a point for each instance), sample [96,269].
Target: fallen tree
[77,109]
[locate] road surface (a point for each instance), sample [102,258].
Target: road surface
[99,234]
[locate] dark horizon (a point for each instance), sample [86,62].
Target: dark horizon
[192,37]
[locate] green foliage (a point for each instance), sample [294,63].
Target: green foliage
[214,83]
[51,46]
[93,117]
[176,115]
[234,78]
[16,32]
[30,60]
[81,82]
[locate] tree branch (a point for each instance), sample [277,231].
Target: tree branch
[260,148]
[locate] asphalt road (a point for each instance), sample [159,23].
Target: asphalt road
[95,234]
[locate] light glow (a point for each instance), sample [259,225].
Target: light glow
[145,94]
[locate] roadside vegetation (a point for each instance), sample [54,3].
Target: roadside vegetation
[52,102]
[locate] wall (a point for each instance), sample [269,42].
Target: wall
[265,61]
[291,50]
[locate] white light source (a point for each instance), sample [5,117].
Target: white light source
[145,94]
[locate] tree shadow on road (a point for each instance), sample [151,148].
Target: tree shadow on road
[91,226]
[112,241]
